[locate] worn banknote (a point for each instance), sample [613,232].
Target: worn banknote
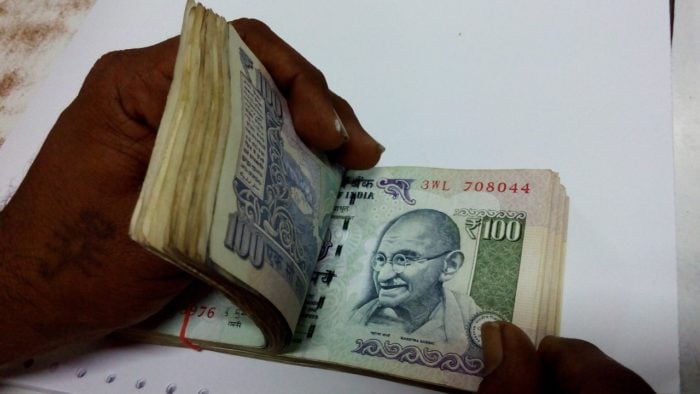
[414,261]
[275,195]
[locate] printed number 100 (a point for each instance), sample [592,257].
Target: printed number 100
[498,229]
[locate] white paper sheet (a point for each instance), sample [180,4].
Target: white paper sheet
[579,87]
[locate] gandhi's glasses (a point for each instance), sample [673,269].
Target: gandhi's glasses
[399,261]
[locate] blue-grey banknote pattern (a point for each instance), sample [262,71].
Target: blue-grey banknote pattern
[275,197]
[269,224]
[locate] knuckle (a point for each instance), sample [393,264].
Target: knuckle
[582,347]
[341,102]
[245,26]
[108,64]
[109,59]
[549,345]
[315,77]
[102,73]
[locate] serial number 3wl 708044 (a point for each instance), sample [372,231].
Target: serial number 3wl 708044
[477,186]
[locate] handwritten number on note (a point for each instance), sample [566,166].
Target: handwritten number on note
[201,311]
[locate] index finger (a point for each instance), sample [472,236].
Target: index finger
[138,80]
[311,103]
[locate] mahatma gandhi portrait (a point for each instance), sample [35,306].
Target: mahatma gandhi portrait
[416,254]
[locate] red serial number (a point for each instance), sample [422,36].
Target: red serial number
[498,187]
[476,186]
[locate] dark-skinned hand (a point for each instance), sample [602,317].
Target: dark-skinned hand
[558,365]
[68,269]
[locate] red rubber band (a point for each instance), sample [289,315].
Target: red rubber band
[183,329]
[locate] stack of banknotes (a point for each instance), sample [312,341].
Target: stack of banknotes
[388,272]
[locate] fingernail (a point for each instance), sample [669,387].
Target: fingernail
[492,345]
[340,127]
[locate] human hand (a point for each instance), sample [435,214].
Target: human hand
[68,269]
[559,365]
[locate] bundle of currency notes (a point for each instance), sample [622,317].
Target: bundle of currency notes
[389,272]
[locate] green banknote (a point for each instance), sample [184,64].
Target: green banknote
[414,261]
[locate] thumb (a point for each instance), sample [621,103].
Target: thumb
[511,364]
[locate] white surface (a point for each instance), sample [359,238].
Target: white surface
[686,90]
[117,369]
[580,87]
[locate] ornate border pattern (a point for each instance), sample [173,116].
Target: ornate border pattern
[397,188]
[411,354]
[492,213]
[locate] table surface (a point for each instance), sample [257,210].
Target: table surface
[580,88]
